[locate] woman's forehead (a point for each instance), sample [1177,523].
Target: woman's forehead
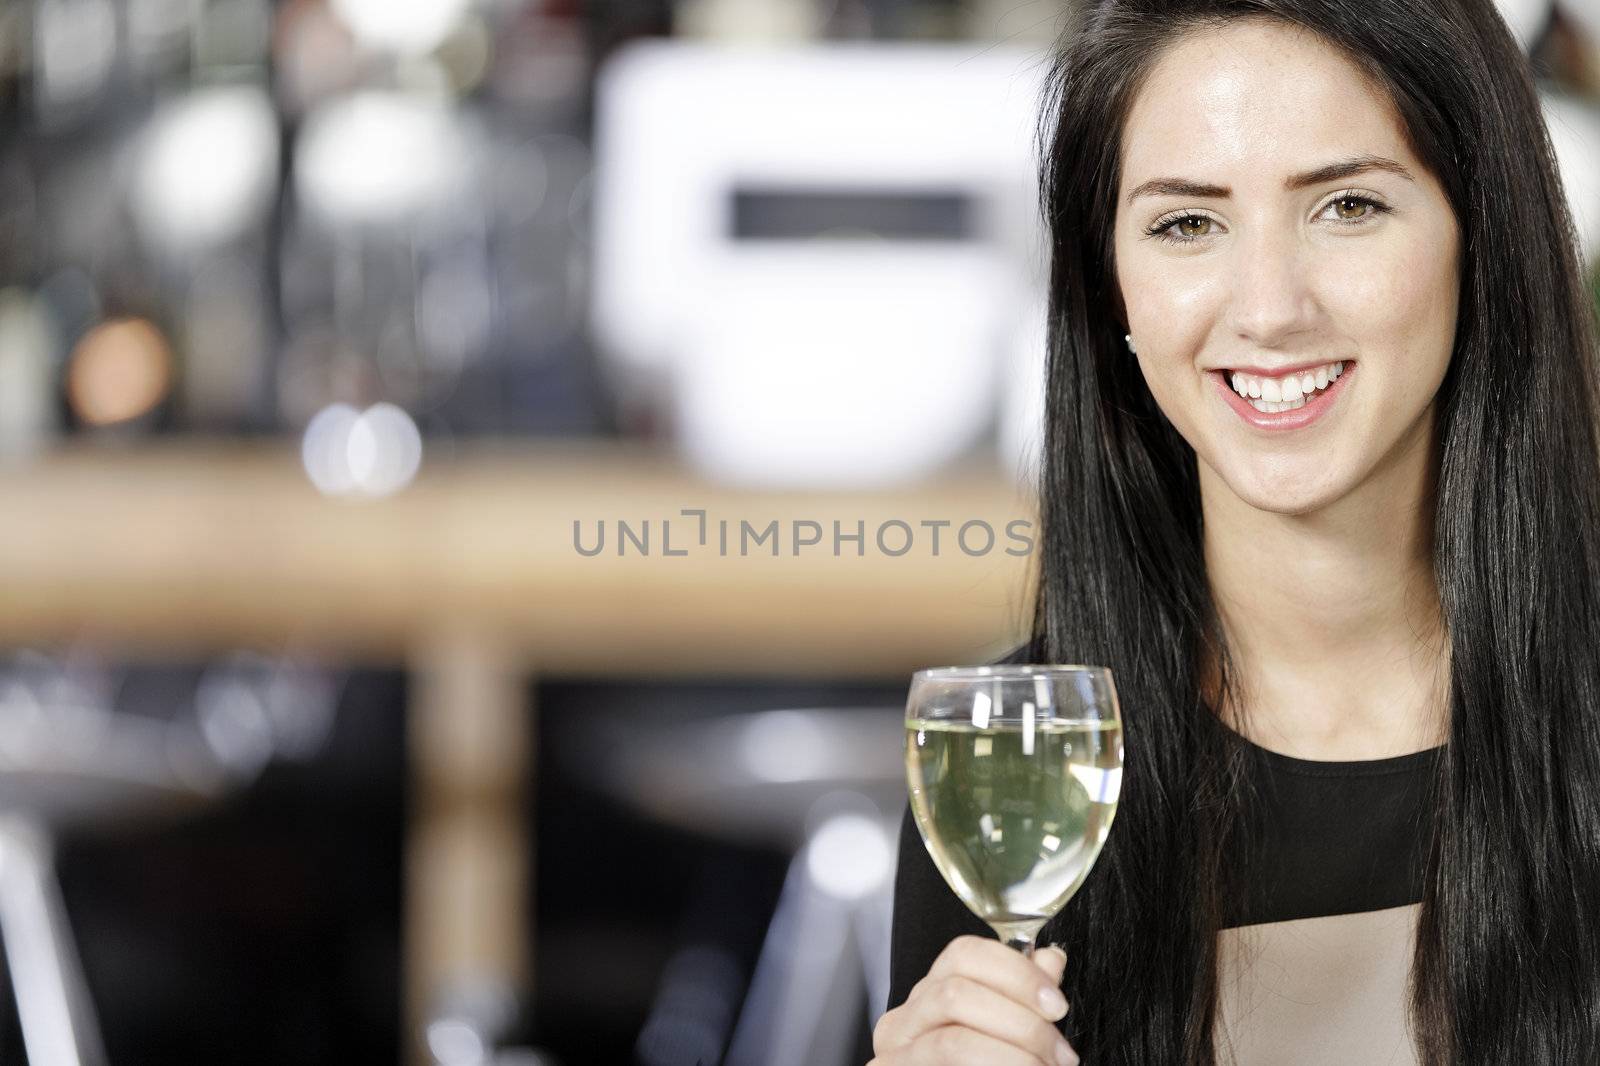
[1256,97]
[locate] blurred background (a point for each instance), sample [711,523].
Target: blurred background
[477,475]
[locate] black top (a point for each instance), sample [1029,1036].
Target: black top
[1336,838]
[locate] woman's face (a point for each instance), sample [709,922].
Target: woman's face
[1235,256]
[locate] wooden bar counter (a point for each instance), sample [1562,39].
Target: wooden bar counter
[481,574]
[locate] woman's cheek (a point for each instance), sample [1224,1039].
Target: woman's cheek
[1172,391]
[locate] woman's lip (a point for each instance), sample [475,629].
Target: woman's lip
[1280,371]
[1298,418]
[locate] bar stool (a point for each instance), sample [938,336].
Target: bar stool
[69,761]
[827,786]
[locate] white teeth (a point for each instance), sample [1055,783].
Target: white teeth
[1287,392]
[1273,408]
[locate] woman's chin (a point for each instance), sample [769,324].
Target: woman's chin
[1283,493]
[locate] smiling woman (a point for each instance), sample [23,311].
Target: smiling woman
[1321,485]
[1300,231]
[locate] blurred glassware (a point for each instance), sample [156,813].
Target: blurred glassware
[385,290]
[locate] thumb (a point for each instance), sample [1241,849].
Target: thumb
[1053,961]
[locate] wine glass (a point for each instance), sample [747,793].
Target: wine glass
[1014,773]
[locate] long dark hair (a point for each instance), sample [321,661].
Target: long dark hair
[1507,965]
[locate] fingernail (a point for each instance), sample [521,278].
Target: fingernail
[1053,1003]
[1065,1056]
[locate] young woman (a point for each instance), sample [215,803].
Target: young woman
[1321,484]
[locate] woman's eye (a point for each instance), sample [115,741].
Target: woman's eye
[1349,204]
[1350,209]
[1363,208]
[1182,229]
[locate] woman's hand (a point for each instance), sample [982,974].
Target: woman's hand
[982,1002]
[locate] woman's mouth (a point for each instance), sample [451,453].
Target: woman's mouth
[1284,393]
[1283,401]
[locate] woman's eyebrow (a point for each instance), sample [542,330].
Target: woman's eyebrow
[1344,168]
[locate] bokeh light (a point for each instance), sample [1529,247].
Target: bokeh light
[119,371]
[406,26]
[378,156]
[849,856]
[209,167]
[370,453]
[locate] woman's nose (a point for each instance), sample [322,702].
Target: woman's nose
[1269,293]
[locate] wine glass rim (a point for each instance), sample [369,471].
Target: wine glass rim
[1009,670]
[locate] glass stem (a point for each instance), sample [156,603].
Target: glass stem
[1019,935]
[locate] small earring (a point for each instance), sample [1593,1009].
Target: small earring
[1129,338]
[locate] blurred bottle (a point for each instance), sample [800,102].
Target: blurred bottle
[27,386]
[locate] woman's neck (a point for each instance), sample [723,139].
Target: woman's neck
[1333,616]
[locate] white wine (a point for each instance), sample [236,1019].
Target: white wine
[1014,818]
